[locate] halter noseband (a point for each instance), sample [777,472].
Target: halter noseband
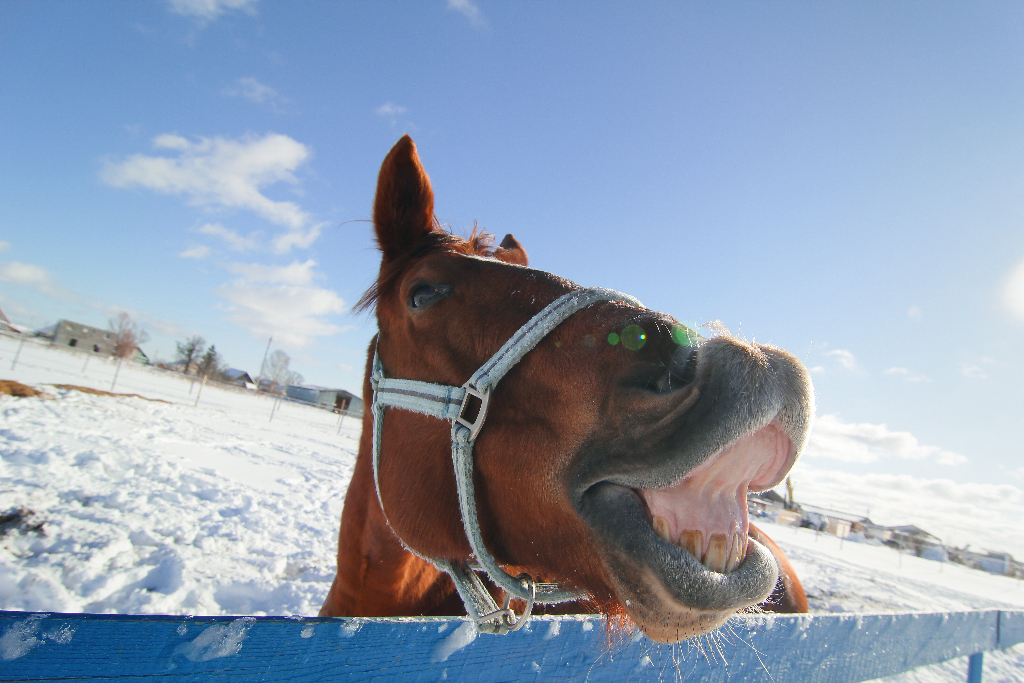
[457,404]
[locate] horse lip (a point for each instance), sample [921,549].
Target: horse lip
[617,515]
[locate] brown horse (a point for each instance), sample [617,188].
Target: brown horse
[616,455]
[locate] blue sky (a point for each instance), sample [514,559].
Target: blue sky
[840,179]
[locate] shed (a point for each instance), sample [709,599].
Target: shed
[239,377]
[337,400]
[84,337]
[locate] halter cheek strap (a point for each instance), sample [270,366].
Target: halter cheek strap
[466,407]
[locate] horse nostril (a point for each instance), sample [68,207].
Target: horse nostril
[666,376]
[683,368]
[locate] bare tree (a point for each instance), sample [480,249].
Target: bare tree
[190,350]
[211,365]
[278,372]
[127,335]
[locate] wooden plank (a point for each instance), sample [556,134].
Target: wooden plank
[833,648]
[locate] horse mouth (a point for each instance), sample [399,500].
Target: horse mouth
[679,556]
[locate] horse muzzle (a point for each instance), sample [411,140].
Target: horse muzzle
[666,495]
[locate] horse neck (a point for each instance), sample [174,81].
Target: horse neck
[376,575]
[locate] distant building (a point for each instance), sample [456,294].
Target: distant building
[88,339]
[83,337]
[338,400]
[239,377]
[6,326]
[915,539]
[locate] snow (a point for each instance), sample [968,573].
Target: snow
[215,509]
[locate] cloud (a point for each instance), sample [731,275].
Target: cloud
[865,443]
[906,375]
[4,246]
[389,109]
[197,253]
[468,9]
[1012,294]
[37,278]
[973,371]
[209,9]
[251,89]
[220,172]
[281,301]
[950,510]
[293,274]
[845,358]
[234,241]
[915,313]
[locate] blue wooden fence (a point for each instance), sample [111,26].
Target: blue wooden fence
[827,648]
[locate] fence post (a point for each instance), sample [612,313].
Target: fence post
[975,665]
[116,373]
[276,401]
[341,419]
[86,364]
[200,392]
[17,353]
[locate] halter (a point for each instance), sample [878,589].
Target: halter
[466,407]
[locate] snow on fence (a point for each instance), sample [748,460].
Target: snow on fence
[827,648]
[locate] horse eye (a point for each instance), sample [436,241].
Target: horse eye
[425,294]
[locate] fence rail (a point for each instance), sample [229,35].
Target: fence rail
[819,648]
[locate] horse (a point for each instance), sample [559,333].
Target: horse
[607,472]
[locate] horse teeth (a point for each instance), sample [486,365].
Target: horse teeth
[717,556]
[661,528]
[739,552]
[692,542]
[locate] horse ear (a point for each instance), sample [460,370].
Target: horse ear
[510,251]
[403,208]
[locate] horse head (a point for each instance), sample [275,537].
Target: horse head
[616,456]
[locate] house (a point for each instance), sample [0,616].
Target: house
[915,539]
[83,337]
[338,400]
[239,377]
[5,325]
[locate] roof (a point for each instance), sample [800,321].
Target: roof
[235,373]
[322,390]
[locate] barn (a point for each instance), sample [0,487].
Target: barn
[337,400]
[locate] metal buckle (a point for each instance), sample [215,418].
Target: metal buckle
[481,413]
[504,620]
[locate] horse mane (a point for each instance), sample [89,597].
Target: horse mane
[440,238]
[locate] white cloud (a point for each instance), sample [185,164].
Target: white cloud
[389,109]
[468,9]
[197,253]
[251,89]
[281,301]
[37,278]
[209,9]
[915,313]
[906,375]
[865,443]
[973,371]
[951,510]
[293,274]
[817,369]
[234,241]
[844,357]
[4,246]
[1013,291]
[220,172]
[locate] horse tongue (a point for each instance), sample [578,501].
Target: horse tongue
[706,513]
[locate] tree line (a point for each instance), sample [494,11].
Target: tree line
[209,363]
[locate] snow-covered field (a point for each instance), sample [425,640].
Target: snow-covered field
[171,507]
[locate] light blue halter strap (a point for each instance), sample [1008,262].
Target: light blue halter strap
[457,404]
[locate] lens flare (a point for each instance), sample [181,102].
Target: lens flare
[634,337]
[613,339]
[683,336]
